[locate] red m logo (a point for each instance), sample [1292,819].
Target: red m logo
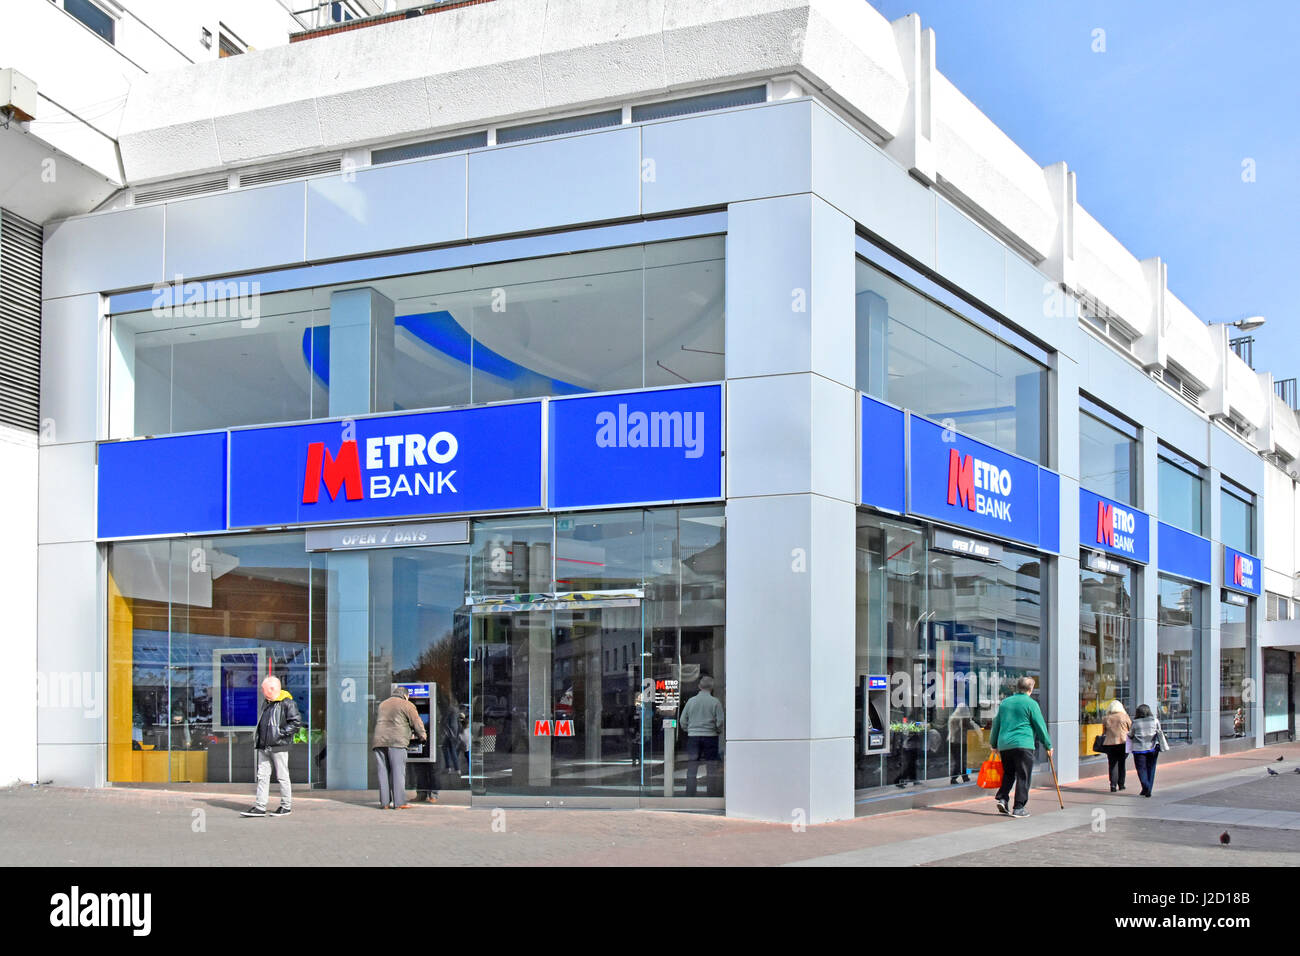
[1237,569]
[1105,524]
[961,479]
[341,472]
[564,728]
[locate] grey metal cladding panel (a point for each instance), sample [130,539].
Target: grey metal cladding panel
[236,231]
[854,176]
[114,250]
[69,639]
[66,493]
[768,671]
[726,157]
[70,369]
[1114,381]
[769,436]
[1177,425]
[1235,461]
[387,207]
[769,255]
[71,765]
[967,255]
[1040,307]
[559,182]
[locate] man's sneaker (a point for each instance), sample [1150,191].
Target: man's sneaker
[1020,814]
[1002,807]
[280,811]
[255,812]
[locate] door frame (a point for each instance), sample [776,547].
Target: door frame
[569,601]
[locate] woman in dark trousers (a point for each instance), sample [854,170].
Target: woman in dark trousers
[1117,725]
[1148,740]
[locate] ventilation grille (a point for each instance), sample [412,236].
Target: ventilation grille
[1191,393]
[570,124]
[700,104]
[430,147]
[296,171]
[180,192]
[20,321]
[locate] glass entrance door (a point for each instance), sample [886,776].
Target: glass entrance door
[555,707]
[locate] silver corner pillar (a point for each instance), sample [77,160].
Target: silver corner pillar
[360,368]
[1062,591]
[791,416]
[1212,632]
[361,352]
[1148,629]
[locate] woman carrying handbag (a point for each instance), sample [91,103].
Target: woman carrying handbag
[1114,743]
[1148,740]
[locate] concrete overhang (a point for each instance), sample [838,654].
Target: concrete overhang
[485,64]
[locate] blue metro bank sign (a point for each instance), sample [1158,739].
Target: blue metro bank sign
[436,463]
[958,480]
[634,448]
[1114,527]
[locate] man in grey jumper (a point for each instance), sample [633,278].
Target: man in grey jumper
[702,719]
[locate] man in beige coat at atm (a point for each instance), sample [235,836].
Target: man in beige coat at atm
[395,724]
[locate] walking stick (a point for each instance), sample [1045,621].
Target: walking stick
[1052,764]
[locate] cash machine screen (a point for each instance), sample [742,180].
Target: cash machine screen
[423,696]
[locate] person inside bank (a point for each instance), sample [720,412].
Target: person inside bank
[702,721]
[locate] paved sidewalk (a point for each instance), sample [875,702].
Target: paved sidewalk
[1194,802]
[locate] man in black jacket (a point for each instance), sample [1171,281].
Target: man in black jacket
[278,722]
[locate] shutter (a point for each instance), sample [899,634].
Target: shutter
[20,321]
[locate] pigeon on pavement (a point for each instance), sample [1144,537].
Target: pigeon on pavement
[1271,771]
[1296,770]
[1279,759]
[1224,838]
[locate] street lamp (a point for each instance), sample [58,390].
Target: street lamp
[1248,324]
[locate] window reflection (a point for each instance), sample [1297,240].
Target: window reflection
[1178,659]
[950,635]
[629,317]
[1106,650]
[915,353]
[1236,718]
[609,621]
[1107,459]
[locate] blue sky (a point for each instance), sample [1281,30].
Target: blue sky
[1156,129]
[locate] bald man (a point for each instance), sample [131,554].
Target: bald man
[276,725]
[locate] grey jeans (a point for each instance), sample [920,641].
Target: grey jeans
[281,760]
[390,762]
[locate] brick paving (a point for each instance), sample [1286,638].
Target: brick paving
[140,827]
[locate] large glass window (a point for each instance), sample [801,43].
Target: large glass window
[1178,659]
[916,353]
[629,317]
[1278,721]
[1107,648]
[948,635]
[1180,491]
[1236,657]
[1237,518]
[603,627]
[1107,453]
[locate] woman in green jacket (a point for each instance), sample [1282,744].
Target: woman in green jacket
[1017,730]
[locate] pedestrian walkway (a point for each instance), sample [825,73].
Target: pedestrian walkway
[1194,802]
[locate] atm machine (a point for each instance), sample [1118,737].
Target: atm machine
[423,752]
[875,713]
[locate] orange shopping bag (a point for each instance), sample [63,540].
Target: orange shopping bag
[990,777]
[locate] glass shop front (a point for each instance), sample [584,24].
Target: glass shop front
[552,654]
[945,626]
